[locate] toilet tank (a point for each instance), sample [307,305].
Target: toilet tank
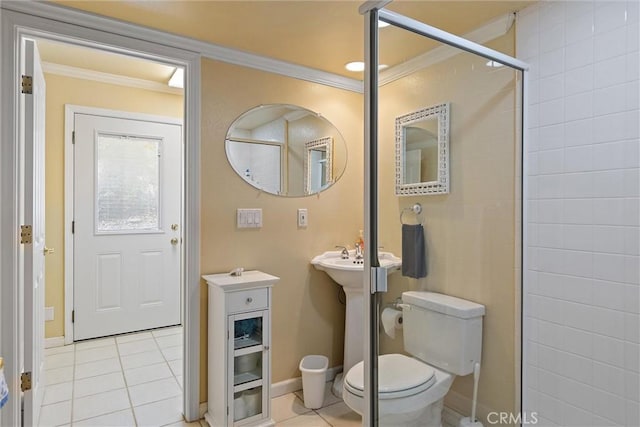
[442,330]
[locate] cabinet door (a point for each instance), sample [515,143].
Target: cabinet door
[249,367]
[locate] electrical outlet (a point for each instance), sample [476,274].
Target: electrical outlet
[48,313]
[303,218]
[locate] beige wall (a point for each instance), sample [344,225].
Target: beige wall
[471,231]
[307,317]
[64,90]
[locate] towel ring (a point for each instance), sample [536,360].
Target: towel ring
[416,209]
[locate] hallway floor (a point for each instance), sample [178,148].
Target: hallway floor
[136,380]
[128,380]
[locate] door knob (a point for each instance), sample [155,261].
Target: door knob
[48,251]
[174,241]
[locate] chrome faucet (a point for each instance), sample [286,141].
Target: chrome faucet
[359,254]
[345,253]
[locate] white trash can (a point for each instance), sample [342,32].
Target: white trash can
[314,377]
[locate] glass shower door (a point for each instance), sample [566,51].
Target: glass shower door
[471,226]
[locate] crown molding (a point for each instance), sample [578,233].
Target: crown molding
[114,79]
[205,49]
[490,31]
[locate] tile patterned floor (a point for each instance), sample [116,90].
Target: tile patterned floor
[136,380]
[129,380]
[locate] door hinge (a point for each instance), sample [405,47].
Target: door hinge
[27,84]
[73,136]
[26,235]
[25,381]
[73,227]
[73,316]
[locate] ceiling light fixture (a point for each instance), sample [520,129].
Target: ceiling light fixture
[177,78]
[358,66]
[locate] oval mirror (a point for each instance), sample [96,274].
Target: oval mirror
[286,150]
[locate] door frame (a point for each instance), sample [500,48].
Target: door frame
[69,194]
[116,36]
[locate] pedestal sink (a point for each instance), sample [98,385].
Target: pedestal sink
[349,274]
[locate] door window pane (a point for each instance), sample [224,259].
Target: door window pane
[127,184]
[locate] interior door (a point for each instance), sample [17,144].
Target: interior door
[127,231]
[33,115]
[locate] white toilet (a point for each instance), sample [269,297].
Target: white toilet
[444,336]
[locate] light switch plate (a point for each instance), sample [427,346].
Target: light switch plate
[249,218]
[303,218]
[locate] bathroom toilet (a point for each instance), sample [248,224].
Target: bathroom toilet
[444,336]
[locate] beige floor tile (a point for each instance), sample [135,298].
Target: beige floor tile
[57,350]
[59,360]
[172,353]
[287,406]
[169,341]
[310,419]
[154,391]
[100,367]
[98,384]
[95,354]
[138,346]
[160,413]
[329,397]
[136,336]
[176,367]
[56,414]
[100,404]
[340,415]
[57,393]
[147,374]
[141,359]
[186,424]
[119,419]
[58,375]
[95,343]
[172,330]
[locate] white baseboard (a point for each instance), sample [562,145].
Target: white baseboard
[202,409]
[294,384]
[450,418]
[53,342]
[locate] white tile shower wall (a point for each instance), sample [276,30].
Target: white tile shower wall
[582,287]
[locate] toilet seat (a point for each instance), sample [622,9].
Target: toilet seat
[399,376]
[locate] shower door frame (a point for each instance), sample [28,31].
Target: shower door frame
[375,282]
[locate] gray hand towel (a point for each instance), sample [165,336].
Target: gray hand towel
[414,260]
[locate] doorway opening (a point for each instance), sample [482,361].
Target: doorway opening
[23,313]
[120,187]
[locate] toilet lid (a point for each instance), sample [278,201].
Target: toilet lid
[398,376]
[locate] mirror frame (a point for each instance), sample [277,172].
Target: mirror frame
[326,142]
[441,185]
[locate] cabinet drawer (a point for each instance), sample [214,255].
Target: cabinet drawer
[248,300]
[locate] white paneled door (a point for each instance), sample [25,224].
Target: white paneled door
[33,238]
[127,230]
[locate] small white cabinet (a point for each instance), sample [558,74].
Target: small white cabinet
[239,354]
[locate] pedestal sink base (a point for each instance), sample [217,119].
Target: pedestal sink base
[336,389]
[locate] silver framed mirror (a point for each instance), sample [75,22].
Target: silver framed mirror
[422,151]
[286,150]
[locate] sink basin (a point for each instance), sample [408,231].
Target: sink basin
[349,272]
